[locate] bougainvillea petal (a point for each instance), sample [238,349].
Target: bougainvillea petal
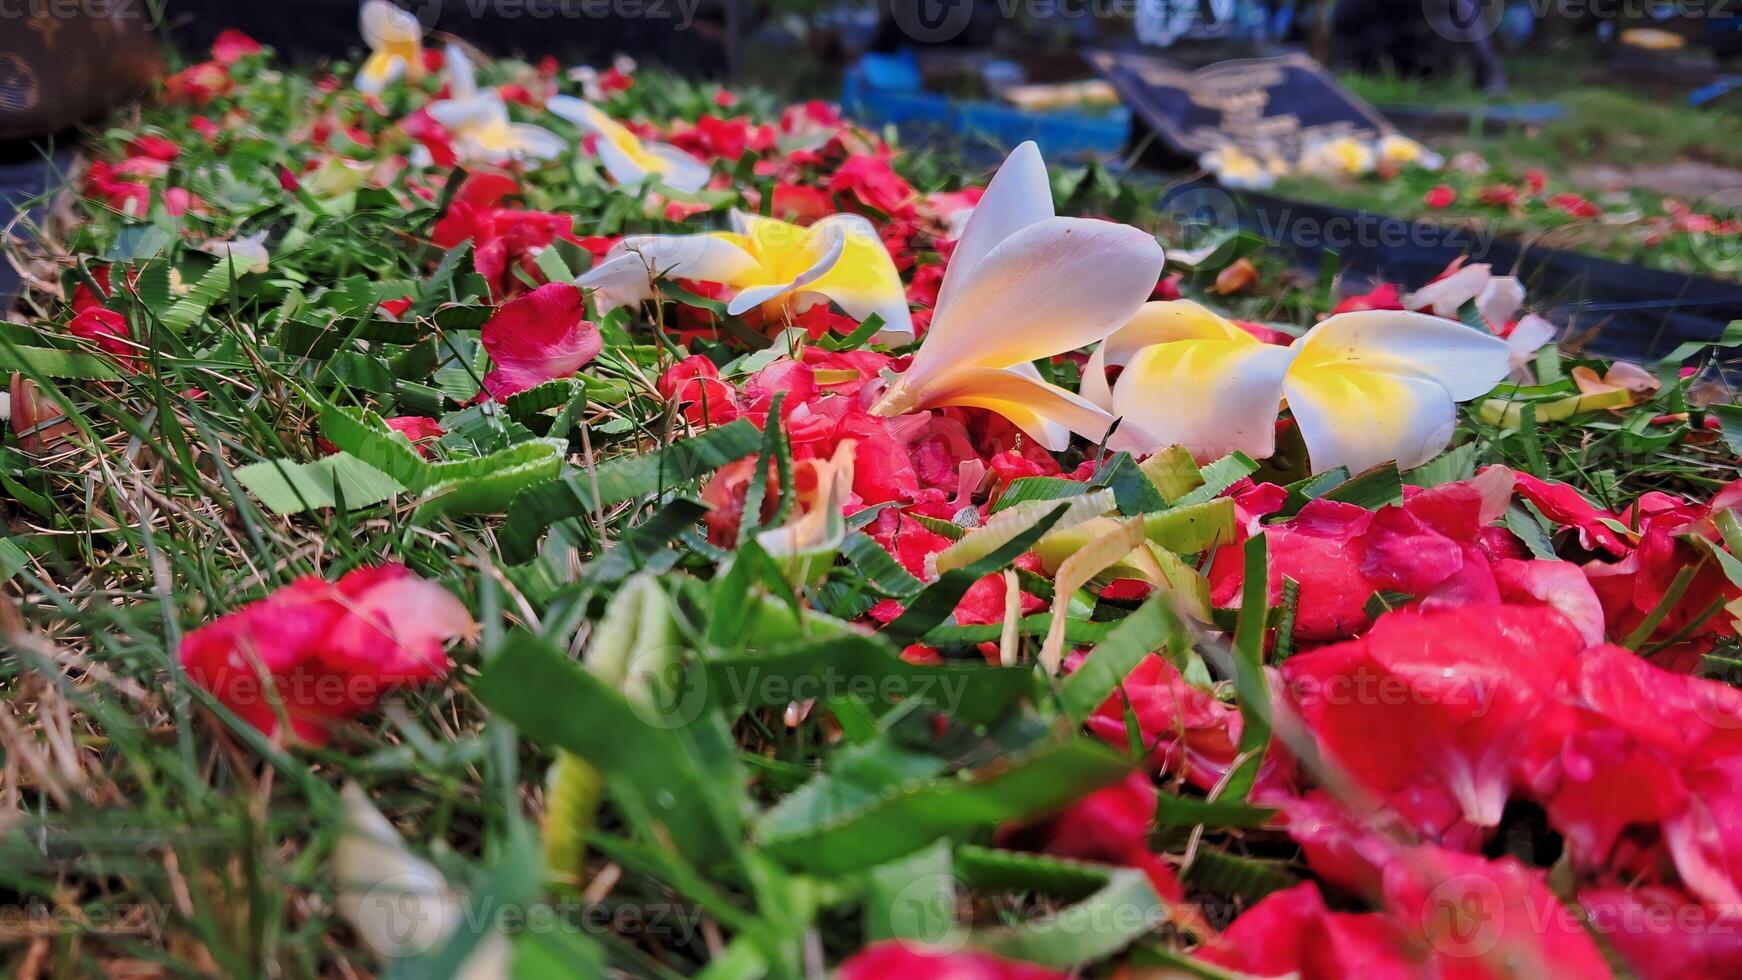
[911,961]
[319,652]
[537,338]
[1435,699]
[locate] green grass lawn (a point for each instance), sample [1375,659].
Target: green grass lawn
[1624,146]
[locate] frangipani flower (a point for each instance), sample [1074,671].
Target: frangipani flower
[395,40]
[1399,150]
[766,262]
[1024,284]
[1235,167]
[1344,156]
[479,124]
[1364,387]
[629,159]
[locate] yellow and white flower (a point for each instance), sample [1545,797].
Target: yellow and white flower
[1234,167]
[1401,151]
[1344,156]
[395,40]
[477,119]
[767,263]
[1363,387]
[1024,284]
[629,159]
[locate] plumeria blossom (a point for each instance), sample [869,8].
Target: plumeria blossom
[1344,156]
[395,40]
[477,120]
[1024,284]
[768,264]
[1236,168]
[629,159]
[1399,150]
[1364,387]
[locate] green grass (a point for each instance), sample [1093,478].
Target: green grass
[149,826]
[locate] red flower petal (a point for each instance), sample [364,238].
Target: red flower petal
[911,961]
[537,338]
[1435,700]
[1290,932]
[1566,506]
[1184,728]
[232,46]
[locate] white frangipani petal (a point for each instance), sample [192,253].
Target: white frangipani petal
[1018,196]
[383,24]
[1500,301]
[1360,419]
[1046,412]
[1213,396]
[1157,322]
[626,275]
[1053,286]
[1446,296]
[535,142]
[1524,341]
[683,172]
[462,77]
[1464,360]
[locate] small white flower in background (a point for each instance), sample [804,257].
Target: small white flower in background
[249,254]
[1469,162]
[629,159]
[478,120]
[395,41]
[1024,284]
[767,263]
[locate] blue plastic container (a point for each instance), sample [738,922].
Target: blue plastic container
[885,90]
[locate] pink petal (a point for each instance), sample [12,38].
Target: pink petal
[539,337]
